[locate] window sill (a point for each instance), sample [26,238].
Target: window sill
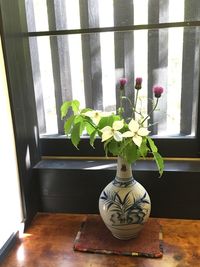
[171,165]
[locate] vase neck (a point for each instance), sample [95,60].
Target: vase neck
[124,169]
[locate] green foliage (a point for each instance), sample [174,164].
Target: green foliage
[153,147]
[93,137]
[157,157]
[159,161]
[118,137]
[114,147]
[107,121]
[75,134]
[69,124]
[74,104]
[64,108]
[84,110]
[90,128]
[130,152]
[143,149]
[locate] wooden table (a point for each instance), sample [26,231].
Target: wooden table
[49,243]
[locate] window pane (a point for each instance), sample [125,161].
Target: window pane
[87,67]
[44,84]
[61,15]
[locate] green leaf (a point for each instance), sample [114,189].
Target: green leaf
[152,145]
[75,134]
[159,162]
[157,157]
[143,149]
[68,124]
[120,110]
[124,144]
[77,119]
[92,138]
[130,152]
[64,108]
[105,145]
[85,110]
[116,117]
[107,121]
[89,127]
[75,106]
[114,147]
[82,127]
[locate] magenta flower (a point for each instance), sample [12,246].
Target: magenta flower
[122,82]
[138,83]
[158,90]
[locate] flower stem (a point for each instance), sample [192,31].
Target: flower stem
[135,104]
[120,104]
[155,106]
[136,98]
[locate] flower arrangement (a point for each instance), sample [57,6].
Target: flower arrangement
[125,137]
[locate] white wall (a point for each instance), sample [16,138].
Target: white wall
[10,199]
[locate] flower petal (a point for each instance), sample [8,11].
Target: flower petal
[133,126]
[117,136]
[96,118]
[106,128]
[143,132]
[106,136]
[89,113]
[107,133]
[128,134]
[137,140]
[117,125]
[95,115]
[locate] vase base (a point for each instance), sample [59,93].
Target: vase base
[125,232]
[125,237]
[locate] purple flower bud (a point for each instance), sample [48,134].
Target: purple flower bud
[122,82]
[158,90]
[138,83]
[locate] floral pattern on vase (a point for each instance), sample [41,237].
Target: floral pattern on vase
[124,211]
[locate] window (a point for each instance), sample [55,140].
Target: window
[79,50]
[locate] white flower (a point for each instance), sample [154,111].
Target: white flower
[136,132]
[96,115]
[113,131]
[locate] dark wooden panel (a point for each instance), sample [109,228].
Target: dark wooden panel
[168,147]
[21,92]
[36,70]
[75,186]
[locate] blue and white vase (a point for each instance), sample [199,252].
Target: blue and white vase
[124,204]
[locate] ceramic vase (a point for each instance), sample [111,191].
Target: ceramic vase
[124,204]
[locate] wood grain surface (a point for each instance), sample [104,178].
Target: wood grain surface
[49,243]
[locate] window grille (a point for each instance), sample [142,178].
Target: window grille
[80,49]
